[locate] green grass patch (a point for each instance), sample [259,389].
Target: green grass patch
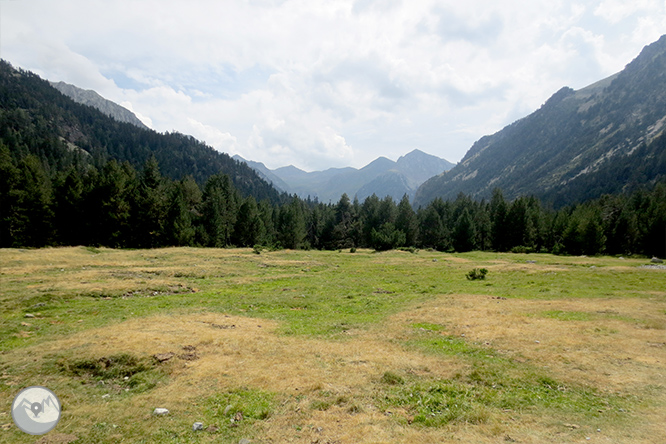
[490,386]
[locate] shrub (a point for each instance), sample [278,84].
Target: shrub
[477,274]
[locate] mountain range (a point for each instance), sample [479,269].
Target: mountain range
[605,138]
[382,177]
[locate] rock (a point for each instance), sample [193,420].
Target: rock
[163,357]
[238,417]
[106,396]
[197,426]
[39,304]
[228,408]
[531,262]
[160,411]
[29,315]
[244,441]
[656,260]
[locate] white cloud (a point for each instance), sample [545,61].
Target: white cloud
[328,83]
[615,11]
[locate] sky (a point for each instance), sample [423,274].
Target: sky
[333,83]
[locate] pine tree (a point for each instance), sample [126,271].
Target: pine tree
[432,232]
[108,205]
[464,232]
[33,214]
[249,229]
[291,225]
[499,221]
[149,206]
[9,199]
[178,225]
[345,222]
[406,222]
[69,214]
[219,209]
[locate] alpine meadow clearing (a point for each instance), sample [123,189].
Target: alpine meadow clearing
[334,346]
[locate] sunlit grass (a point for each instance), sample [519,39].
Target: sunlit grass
[303,340]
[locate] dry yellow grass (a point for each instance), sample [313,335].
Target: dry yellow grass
[251,354]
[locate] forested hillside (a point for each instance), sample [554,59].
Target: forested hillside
[36,119]
[117,206]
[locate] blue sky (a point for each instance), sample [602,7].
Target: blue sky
[321,84]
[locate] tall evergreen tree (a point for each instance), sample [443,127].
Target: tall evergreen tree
[149,206]
[108,204]
[178,226]
[499,221]
[249,230]
[69,214]
[33,213]
[219,209]
[406,222]
[464,233]
[9,199]
[291,225]
[433,233]
[345,224]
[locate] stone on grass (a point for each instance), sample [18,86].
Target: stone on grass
[197,426]
[162,357]
[656,260]
[244,441]
[160,411]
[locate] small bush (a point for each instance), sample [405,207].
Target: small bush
[477,273]
[352,250]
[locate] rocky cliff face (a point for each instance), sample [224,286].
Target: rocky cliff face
[91,98]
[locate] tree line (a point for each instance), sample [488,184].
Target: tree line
[117,206]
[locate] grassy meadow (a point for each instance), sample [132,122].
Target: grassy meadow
[334,347]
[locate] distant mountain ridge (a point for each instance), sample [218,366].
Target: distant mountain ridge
[382,176]
[605,138]
[91,98]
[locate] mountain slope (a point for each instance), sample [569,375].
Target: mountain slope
[580,144]
[265,174]
[91,98]
[37,119]
[382,177]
